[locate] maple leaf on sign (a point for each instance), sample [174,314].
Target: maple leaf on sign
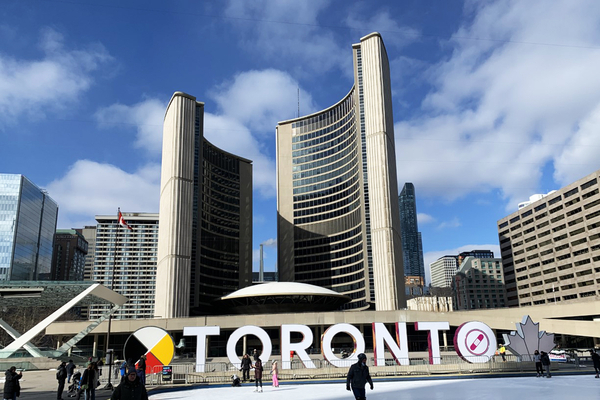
[527,339]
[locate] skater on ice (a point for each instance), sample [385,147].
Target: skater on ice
[358,376]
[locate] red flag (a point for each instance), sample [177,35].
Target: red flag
[122,221]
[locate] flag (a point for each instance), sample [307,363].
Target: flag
[122,221]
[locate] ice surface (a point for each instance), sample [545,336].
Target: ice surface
[527,388]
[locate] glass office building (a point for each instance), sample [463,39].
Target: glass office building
[27,226]
[412,244]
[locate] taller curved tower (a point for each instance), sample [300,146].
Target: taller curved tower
[338,217]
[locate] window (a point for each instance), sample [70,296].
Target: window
[571,192]
[554,200]
[588,184]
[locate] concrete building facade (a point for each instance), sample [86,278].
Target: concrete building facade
[551,247]
[28,218]
[125,261]
[69,255]
[412,243]
[205,234]
[442,271]
[479,283]
[338,218]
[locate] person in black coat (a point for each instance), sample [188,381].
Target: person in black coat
[70,370]
[258,370]
[596,361]
[246,365]
[12,389]
[61,377]
[141,369]
[358,376]
[545,359]
[130,389]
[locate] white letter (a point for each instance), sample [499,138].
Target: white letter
[299,348]
[475,342]
[359,344]
[383,337]
[201,332]
[260,333]
[433,338]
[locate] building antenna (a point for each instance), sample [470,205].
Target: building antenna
[298,102]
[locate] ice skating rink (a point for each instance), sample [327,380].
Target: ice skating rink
[528,388]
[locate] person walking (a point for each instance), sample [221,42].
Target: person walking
[596,361]
[258,370]
[70,370]
[130,389]
[545,360]
[12,388]
[61,377]
[538,363]
[88,381]
[274,373]
[358,376]
[246,365]
[141,369]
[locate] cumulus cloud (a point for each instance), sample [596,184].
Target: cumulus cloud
[52,82]
[147,117]
[260,99]
[453,223]
[432,256]
[90,188]
[301,42]
[500,110]
[270,242]
[423,218]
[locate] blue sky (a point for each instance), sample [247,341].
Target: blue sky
[493,100]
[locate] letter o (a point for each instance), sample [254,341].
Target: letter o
[359,344]
[475,342]
[260,333]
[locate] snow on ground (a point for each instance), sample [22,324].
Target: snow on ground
[528,388]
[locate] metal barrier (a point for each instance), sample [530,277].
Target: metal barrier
[221,372]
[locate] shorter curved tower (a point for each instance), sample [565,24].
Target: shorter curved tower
[205,226]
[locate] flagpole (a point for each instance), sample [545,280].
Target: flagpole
[109,385]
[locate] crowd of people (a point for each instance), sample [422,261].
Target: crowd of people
[246,365]
[132,384]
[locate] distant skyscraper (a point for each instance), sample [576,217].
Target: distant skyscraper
[442,271]
[27,226]
[412,245]
[479,283]
[89,233]
[68,258]
[205,234]
[133,255]
[338,219]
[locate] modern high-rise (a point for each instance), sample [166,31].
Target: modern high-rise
[125,261]
[443,270]
[551,247]
[479,283]
[68,257]
[27,225]
[412,244]
[205,234]
[89,234]
[338,219]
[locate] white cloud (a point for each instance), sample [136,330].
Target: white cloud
[30,87]
[90,188]
[147,116]
[301,42]
[453,223]
[423,218]
[260,99]
[382,22]
[270,243]
[498,112]
[432,256]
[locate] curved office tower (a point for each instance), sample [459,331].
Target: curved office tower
[205,226]
[338,218]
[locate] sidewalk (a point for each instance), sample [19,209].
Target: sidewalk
[42,385]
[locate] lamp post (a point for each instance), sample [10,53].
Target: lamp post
[109,385]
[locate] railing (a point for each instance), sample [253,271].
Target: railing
[221,372]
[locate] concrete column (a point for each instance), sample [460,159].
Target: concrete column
[445,338]
[95,346]
[244,345]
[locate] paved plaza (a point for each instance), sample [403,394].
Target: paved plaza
[529,388]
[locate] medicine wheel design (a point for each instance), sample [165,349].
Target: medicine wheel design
[153,342]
